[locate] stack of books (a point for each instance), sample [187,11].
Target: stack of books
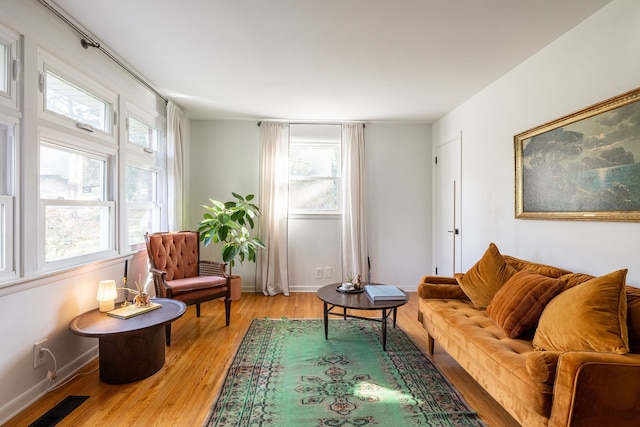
[384,293]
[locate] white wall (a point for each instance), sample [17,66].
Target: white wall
[225,157]
[36,306]
[596,60]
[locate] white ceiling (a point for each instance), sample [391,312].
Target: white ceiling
[373,60]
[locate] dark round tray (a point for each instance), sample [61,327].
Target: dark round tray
[352,291]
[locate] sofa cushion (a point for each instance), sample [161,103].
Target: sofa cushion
[574,279]
[545,270]
[481,282]
[588,317]
[518,304]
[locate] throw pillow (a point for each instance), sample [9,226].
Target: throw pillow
[588,317]
[518,304]
[483,280]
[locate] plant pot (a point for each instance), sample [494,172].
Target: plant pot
[236,288]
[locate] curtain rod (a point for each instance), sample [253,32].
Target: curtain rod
[87,41]
[312,123]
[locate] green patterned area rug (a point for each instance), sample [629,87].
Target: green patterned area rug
[286,374]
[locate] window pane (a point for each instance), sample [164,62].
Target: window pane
[4,68]
[141,185]
[3,234]
[7,138]
[313,161]
[73,231]
[141,221]
[142,134]
[66,175]
[64,98]
[319,195]
[142,195]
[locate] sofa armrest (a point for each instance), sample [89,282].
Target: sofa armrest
[596,389]
[439,280]
[440,287]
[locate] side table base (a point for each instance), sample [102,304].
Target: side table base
[131,356]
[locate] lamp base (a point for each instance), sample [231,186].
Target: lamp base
[107,305]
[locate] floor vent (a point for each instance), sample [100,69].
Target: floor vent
[58,412]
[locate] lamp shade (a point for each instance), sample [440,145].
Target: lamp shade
[107,294]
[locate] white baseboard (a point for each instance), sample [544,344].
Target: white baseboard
[21,402]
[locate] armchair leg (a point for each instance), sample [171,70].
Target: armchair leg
[227,309]
[198,310]
[167,332]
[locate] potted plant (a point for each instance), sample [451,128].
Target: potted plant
[230,223]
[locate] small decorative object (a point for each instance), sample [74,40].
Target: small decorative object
[356,280]
[107,294]
[142,298]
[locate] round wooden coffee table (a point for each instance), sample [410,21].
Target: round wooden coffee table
[129,349]
[357,301]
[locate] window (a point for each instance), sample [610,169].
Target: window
[4,67]
[143,135]
[9,67]
[145,172]
[67,99]
[7,191]
[314,168]
[78,217]
[143,211]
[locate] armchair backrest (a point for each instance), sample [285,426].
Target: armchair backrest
[177,253]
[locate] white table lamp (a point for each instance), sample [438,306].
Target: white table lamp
[107,294]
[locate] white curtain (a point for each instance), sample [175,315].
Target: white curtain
[274,201]
[175,166]
[354,236]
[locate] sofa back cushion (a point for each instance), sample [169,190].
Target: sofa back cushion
[543,269]
[633,318]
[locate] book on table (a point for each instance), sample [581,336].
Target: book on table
[384,293]
[132,310]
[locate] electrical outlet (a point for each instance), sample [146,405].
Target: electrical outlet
[327,272]
[39,357]
[318,273]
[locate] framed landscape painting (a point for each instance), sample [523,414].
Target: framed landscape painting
[584,166]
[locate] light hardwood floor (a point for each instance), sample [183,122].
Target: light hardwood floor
[182,392]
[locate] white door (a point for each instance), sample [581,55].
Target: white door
[448,189]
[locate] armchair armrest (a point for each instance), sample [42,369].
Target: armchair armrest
[440,287]
[160,283]
[596,389]
[212,268]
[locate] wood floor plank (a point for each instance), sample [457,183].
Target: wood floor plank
[182,392]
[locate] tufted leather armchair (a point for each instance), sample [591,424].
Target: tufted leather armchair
[178,273]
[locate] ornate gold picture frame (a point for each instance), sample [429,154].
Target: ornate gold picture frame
[584,166]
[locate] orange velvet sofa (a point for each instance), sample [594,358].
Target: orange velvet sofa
[538,384]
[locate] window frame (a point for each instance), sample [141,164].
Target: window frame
[63,141]
[151,160]
[11,39]
[318,143]
[9,203]
[49,64]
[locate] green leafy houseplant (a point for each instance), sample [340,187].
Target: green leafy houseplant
[230,223]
